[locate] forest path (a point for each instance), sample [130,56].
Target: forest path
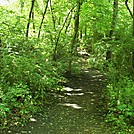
[78,110]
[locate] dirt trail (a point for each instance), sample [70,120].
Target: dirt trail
[78,110]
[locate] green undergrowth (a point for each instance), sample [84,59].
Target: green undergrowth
[120,88]
[121,104]
[27,73]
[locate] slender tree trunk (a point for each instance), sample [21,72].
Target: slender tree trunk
[85,32]
[43,18]
[76,29]
[115,16]
[133,18]
[126,3]
[58,37]
[30,15]
[69,22]
[52,37]
[0,48]
[114,21]
[0,43]
[132,15]
[133,36]
[81,33]
[53,18]
[33,21]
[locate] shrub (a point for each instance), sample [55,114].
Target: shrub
[121,103]
[26,74]
[17,101]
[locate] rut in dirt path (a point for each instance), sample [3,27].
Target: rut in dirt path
[78,110]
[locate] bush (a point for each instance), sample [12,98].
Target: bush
[120,88]
[17,101]
[33,68]
[121,103]
[26,74]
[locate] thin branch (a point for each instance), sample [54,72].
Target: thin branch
[33,21]
[53,19]
[58,37]
[133,37]
[126,3]
[43,18]
[68,23]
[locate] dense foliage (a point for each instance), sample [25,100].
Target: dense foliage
[40,41]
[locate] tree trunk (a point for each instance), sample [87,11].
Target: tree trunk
[58,37]
[114,21]
[132,15]
[115,16]
[133,18]
[30,15]
[73,42]
[133,37]
[53,18]
[85,32]
[43,19]
[126,3]
[69,22]
[81,33]
[33,22]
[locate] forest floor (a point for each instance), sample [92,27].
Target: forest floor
[79,109]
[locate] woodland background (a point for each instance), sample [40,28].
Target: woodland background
[41,40]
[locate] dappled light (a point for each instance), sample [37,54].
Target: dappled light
[75,106]
[97,76]
[33,119]
[86,71]
[75,111]
[89,92]
[74,94]
[94,80]
[66,66]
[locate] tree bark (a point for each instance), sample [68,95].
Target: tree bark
[0,48]
[114,21]
[58,37]
[133,37]
[30,15]
[115,16]
[132,15]
[85,31]
[76,29]
[126,3]
[69,22]
[53,18]
[0,43]
[33,21]
[43,17]
[133,18]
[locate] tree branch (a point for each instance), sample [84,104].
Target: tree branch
[55,49]
[126,3]
[43,19]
